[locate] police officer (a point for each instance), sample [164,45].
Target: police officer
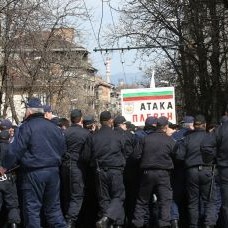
[178,207]
[105,149]
[90,202]
[89,123]
[130,171]
[149,128]
[199,177]
[72,167]
[156,163]
[48,111]
[37,146]
[214,149]
[8,190]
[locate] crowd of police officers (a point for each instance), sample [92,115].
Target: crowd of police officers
[110,174]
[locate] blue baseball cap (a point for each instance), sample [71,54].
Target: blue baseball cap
[188,119]
[162,121]
[151,121]
[34,102]
[47,108]
[6,124]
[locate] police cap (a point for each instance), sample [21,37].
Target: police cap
[5,124]
[151,121]
[47,108]
[119,120]
[87,120]
[34,102]
[162,121]
[76,113]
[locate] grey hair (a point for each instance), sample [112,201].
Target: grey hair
[36,110]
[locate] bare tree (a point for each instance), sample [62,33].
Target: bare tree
[190,35]
[39,53]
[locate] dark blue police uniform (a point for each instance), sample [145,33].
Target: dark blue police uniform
[73,169]
[105,150]
[131,168]
[8,190]
[215,147]
[38,146]
[199,177]
[156,163]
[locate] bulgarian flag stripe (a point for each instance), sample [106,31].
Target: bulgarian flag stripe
[148,96]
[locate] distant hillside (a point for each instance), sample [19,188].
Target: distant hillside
[127,78]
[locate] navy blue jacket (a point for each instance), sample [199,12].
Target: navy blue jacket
[129,141]
[4,145]
[214,147]
[75,137]
[106,147]
[190,149]
[157,151]
[37,143]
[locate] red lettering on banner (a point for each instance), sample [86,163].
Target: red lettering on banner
[170,115]
[142,118]
[155,115]
[134,118]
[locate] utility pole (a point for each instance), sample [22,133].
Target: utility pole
[134,48]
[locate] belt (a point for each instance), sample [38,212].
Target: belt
[203,167]
[109,168]
[6,177]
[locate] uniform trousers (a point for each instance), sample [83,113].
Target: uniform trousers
[8,196]
[154,180]
[76,184]
[40,188]
[200,186]
[223,174]
[111,194]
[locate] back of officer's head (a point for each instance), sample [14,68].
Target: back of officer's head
[76,116]
[188,122]
[106,118]
[63,123]
[34,106]
[162,123]
[150,123]
[5,124]
[199,122]
[120,121]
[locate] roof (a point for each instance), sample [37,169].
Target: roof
[46,39]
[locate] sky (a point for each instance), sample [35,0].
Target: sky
[123,65]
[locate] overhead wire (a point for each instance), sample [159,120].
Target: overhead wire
[101,21]
[121,54]
[94,34]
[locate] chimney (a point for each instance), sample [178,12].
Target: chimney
[108,70]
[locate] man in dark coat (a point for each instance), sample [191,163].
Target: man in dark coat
[8,188]
[38,146]
[130,171]
[73,172]
[214,148]
[199,177]
[105,150]
[156,163]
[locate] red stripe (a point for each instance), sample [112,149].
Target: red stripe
[148,98]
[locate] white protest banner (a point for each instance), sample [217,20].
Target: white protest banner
[138,104]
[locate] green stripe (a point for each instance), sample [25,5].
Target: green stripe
[143,94]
